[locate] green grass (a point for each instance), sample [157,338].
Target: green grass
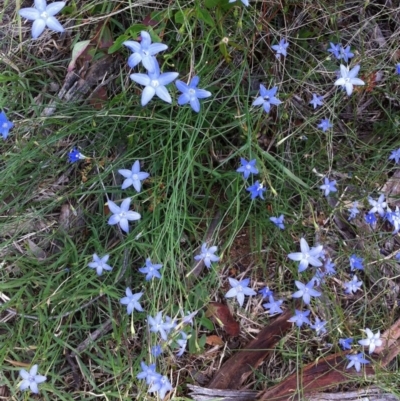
[53,215]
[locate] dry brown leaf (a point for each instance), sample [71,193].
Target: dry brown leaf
[214,340]
[221,314]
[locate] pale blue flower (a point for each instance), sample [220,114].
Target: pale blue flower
[319,326]
[5,125]
[345,53]
[122,215]
[393,218]
[160,385]
[356,262]
[245,2]
[316,100]
[395,155]
[397,256]
[43,15]
[273,306]
[281,48]
[158,325]
[378,206]
[31,379]
[300,318]
[207,255]
[150,270]
[191,94]
[148,373]
[75,155]
[156,350]
[239,289]
[353,211]
[182,342]
[154,83]
[267,98]
[188,317]
[348,78]
[353,285]
[266,292]
[372,340]
[278,221]
[307,256]
[256,189]
[325,124]
[100,264]
[345,343]
[247,167]
[328,186]
[144,52]
[335,50]
[398,68]
[356,361]
[131,301]
[329,267]
[370,218]
[133,176]
[306,291]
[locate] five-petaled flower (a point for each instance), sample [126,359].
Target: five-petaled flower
[122,215]
[316,100]
[356,361]
[131,301]
[144,52]
[300,317]
[208,255]
[150,270]
[356,262]
[75,155]
[307,256]
[43,15]
[328,186]
[353,285]
[239,289]
[31,379]
[378,206]
[353,211]
[5,125]
[133,176]
[154,83]
[348,78]
[148,373]
[281,48]
[335,50]
[345,343]
[160,385]
[319,326]
[306,291]
[100,264]
[267,98]
[278,221]
[325,124]
[191,94]
[266,292]
[395,155]
[158,325]
[370,218]
[273,306]
[182,342]
[345,53]
[257,189]
[372,340]
[247,167]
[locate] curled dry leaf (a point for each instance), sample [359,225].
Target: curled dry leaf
[214,340]
[221,314]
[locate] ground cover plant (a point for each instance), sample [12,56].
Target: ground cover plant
[183,181]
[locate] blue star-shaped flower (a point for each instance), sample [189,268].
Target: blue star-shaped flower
[133,177]
[239,289]
[307,256]
[300,318]
[398,69]
[156,350]
[74,156]
[31,379]
[278,221]
[158,325]
[328,187]
[131,301]
[191,94]
[160,385]
[148,373]
[267,98]
[319,326]
[348,78]
[266,292]
[345,343]
[100,264]
[256,189]
[144,52]
[43,15]
[395,155]
[345,53]
[273,306]
[325,124]
[370,218]
[247,168]
[122,215]
[182,342]
[281,48]
[150,270]
[5,125]
[335,50]
[356,361]
[353,285]
[154,83]
[316,100]
[356,263]
[378,206]
[207,255]
[306,291]
[329,267]
[353,211]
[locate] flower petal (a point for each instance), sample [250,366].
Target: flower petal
[40,5]
[113,207]
[53,24]
[147,95]
[132,45]
[141,79]
[38,27]
[123,223]
[202,94]
[167,78]
[134,59]
[157,48]
[162,93]
[195,104]
[54,8]
[29,13]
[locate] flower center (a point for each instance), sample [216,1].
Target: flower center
[207,255]
[135,177]
[248,167]
[260,187]
[347,80]
[122,215]
[239,288]
[154,83]
[146,52]
[5,125]
[44,15]
[192,92]
[266,98]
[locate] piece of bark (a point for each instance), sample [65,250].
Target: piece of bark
[204,394]
[237,368]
